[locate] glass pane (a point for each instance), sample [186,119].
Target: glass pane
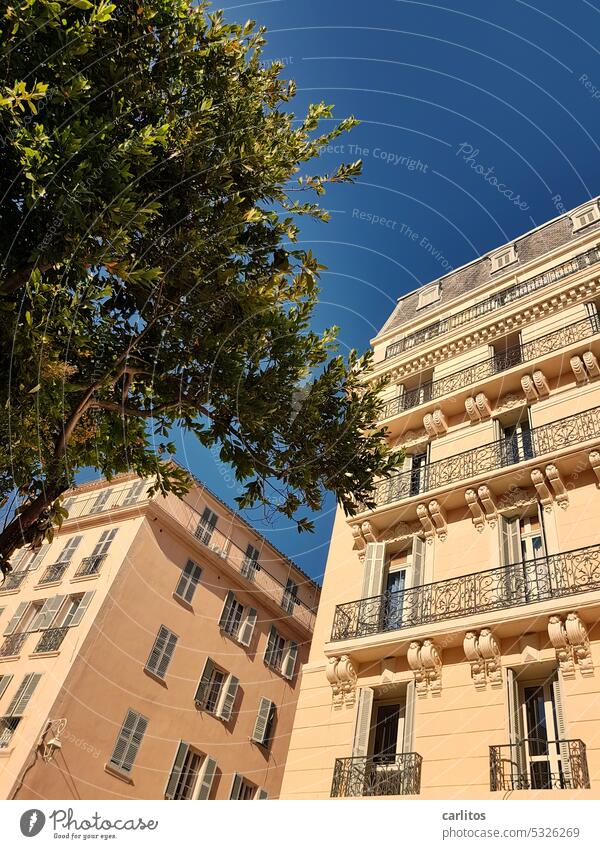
[386,733]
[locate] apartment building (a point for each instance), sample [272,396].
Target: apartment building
[153,650]
[456,652]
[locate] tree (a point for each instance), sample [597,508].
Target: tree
[152,184]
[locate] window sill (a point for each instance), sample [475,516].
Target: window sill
[6,753]
[78,579]
[34,655]
[117,773]
[10,592]
[154,676]
[9,657]
[42,586]
[183,602]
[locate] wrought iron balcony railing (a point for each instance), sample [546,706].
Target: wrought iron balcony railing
[90,565]
[553,576]
[54,572]
[13,581]
[495,301]
[508,451]
[388,775]
[51,639]
[578,331]
[12,645]
[537,764]
[8,726]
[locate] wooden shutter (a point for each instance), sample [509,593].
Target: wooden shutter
[167,654]
[21,698]
[134,493]
[129,740]
[236,786]
[204,681]
[373,569]
[103,544]
[4,682]
[408,737]
[180,755]
[510,540]
[270,647]
[83,606]
[69,549]
[209,769]
[262,721]
[418,561]
[162,651]
[513,724]
[561,728]
[289,664]
[262,793]
[100,501]
[226,707]
[229,602]
[47,614]
[363,723]
[247,629]
[38,557]
[16,618]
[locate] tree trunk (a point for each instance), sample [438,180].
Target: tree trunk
[23,528]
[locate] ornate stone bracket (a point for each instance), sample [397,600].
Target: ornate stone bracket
[489,504]
[561,494]
[541,384]
[435,423]
[476,510]
[433,520]
[572,645]
[341,674]
[529,388]
[578,369]
[591,364]
[483,406]
[426,663]
[471,409]
[483,653]
[545,496]
[594,457]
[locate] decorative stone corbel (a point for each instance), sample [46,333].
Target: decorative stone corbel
[483,653]
[594,457]
[429,425]
[591,364]
[359,540]
[483,406]
[341,674]
[369,532]
[560,491]
[572,645]
[541,383]
[426,663]
[425,519]
[578,369]
[472,411]
[439,422]
[439,519]
[529,388]
[475,508]
[543,492]
[489,504]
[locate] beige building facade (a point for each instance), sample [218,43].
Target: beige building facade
[456,653]
[153,650]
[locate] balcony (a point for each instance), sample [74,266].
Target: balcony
[555,576]
[90,566]
[13,581]
[54,573]
[12,645]
[51,640]
[536,764]
[8,726]
[387,775]
[495,302]
[536,442]
[571,334]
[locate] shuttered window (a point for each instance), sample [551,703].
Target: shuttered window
[100,501]
[134,493]
[188,581]
[103,544]
[38,557]
[4,682]
[44,619]
[69,550]
[76,613]
[236,620]
[281,655]
[16,618]
[129,741]
[216,691]
[206,526]
[264,724]
[242,789]
[363,723]
[247,628]
[161,652]
[191,775]
[290,595]
[250,564]
[289,664]
[21,698]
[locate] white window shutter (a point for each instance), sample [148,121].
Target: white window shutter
[47,614]
[513,724]
[83,606]
[175,774]
[4,682]
[129,740]
[204,681]
[247,629]
[69,549]
[510,540]
[38,557]
[408,737]
[418,561]
[373,569]
[561,727]
[363,723]
[289,664]
[269,648]
[228,700]
[229,601]
[262,719]
[209,770]
[21,698]
[16,618]
[236,786]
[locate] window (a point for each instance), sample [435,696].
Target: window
[134,493]
[417,464]
[188,581]
[104,542]
[100,501]
[281,654]
[192,774]
[507,353]
[242,789]
[91,565]
[250,564]
[503,257]
[55,571]
[516,442]
[290,596]
[69,549]
[216,691]
[585,216]
[17,707]
[206,526]
[129,741]
[429,295]
[4,682]
[161,652]
[236,620]
[264,724]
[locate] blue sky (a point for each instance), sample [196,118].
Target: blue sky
[439,88]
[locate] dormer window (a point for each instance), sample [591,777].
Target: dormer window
[584,216]
[429,295]
[502,258]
